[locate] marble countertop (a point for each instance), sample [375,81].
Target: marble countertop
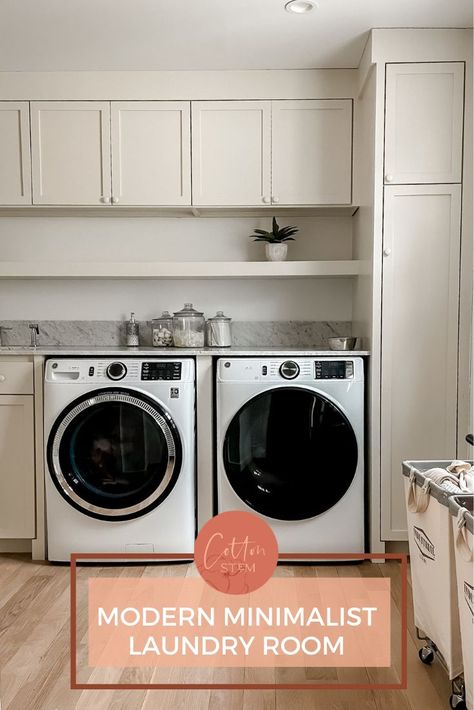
[277,351]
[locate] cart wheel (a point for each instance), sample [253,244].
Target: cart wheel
[426,655]
[456,702]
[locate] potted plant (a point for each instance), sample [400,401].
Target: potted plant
[276,248]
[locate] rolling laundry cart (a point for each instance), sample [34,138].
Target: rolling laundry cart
[461,509]
[433,571]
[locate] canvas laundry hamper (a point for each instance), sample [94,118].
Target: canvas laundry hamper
[432,563]
[461,509]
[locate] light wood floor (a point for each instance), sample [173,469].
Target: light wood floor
[34,654]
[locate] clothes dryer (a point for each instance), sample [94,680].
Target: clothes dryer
[290,448]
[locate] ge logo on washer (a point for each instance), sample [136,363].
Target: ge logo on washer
[174,392]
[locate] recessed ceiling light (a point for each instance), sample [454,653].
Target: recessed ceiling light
[299,7]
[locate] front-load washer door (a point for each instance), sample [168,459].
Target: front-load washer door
[290,453]
[114,454]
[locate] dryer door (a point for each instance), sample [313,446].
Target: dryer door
[290,453]
[114,454]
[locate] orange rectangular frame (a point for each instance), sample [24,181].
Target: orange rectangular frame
[239,686]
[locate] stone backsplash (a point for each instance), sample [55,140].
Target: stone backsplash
[112,333]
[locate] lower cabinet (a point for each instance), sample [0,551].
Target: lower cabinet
[421,252]
[17,468]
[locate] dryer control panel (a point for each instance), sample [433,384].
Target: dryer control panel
[290,369]
[334,369]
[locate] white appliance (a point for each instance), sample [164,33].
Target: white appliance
[120,456]
[290,436]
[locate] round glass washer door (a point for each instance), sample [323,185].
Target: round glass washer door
[290,453]
[114,454]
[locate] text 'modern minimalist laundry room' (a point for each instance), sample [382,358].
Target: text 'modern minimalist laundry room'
[236,275]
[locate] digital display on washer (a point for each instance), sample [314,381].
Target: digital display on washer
[330,370]
[161,371]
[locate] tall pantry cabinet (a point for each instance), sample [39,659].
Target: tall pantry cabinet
[420,273]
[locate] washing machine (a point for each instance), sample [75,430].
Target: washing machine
[120,455]
[290,438]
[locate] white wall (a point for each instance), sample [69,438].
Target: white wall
[170,239]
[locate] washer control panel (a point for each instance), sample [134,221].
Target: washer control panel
[161,370]
[119,371]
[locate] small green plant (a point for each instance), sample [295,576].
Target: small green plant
[276,236]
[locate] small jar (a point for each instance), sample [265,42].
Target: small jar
[132,330]
[188,327]
[162,330]
[219,334]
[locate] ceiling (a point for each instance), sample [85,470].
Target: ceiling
[61,35]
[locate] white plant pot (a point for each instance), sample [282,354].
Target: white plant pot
[276,252]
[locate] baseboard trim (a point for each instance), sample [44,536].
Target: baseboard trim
[15,546]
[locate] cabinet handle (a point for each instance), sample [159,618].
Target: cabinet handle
[115,200]
[275,200]
[106,200]
[387,251]
[267,200]
[388,177]
[2,378]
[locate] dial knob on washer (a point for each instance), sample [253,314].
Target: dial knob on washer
[289,370]
[116,371]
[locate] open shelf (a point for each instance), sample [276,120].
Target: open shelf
[178,270]
[185,211]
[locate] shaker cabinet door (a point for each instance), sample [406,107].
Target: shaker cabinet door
[424,122]
[312,152]
[15,161]
[231,153]
[420,270]
[151,153]
[17,472]
[70,143]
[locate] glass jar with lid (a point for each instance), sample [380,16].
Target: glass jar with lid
[218,329]
[162,330]
[188,327]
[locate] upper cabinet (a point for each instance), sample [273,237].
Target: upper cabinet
[138,153]
[70,144]
[257,153]
[100,153]
[311,152]
[151,153]
[15,172]
[231,153]
[424,122]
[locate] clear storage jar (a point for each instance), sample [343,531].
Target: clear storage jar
[219,333]
[162,330]
[188,327]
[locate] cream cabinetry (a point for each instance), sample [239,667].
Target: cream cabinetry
[421,250]
[70,144]
[420,273]
[151,153]
[138,153]
[257,153]
[311,152]
[15,163]
[231,154]
[424,122]
[17,459]
[95,153]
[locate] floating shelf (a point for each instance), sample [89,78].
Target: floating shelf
[185,211]
[178,270]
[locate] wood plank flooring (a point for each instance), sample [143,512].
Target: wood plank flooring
[34,654]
